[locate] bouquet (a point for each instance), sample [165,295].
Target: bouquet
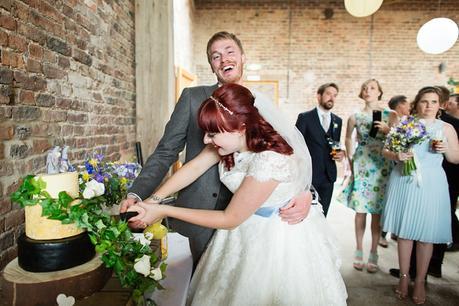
[402,137]
[108,179]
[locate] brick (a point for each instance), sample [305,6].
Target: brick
[77,118]
[12,59]
[63,103]
[46,100]
[14,218]
[17,43]
[6,169]
[67,10]
[63,62]
[3,38]
[54,116]
[6,94]
[6,76]
[27,97]
[5,206]
[52,72]
[6,239]
[6,4]
[35,83]
[32,33]
[26,113]
[7,22]
[82,57]
[36,51]
[49,11]
[19,151]
[6,112]
[2,156]
[33,66]
[23,132]
[13,187]
[6,132]
[58,46]
[40,146]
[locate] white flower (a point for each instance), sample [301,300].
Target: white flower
[93,189]
[142,265]
[156,274]
[142,239]
[88,193]
[99,188]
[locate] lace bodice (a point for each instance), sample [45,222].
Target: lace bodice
[264,166]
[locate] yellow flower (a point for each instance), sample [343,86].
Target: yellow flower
[93,162]
[85,176]
[123,181]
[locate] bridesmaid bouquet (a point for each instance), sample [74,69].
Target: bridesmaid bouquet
[402,137]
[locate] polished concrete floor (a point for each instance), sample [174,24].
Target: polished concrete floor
[377,289]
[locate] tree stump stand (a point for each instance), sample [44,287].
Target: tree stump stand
[23,288]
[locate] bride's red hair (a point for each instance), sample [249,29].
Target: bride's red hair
[230,109]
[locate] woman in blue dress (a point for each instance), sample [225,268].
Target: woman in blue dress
[417,206]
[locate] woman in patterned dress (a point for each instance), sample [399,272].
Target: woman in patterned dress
[370,171]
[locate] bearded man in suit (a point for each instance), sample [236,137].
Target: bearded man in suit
[322,131]
[226,58]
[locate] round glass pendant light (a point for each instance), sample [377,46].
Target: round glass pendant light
[437,35]
[362,8]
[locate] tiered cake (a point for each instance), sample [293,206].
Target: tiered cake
[48,245]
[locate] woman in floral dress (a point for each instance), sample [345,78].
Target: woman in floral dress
[370,170]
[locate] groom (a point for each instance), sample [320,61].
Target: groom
[226,58]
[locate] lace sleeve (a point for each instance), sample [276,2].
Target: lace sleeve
[270,165]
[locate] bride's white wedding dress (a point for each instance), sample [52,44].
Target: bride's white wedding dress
[265,261]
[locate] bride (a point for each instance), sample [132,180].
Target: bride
[254,258]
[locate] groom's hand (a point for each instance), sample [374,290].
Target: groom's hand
[297,209]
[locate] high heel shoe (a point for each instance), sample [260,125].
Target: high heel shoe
[358,260]
[399,293]
[419,300]
[372,265]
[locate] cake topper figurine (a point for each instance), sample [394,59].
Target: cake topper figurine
[64,165]
[53,160]
[58,162]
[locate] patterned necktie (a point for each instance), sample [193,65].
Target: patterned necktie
[325,122]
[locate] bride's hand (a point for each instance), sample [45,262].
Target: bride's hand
[297,209]
[152,213]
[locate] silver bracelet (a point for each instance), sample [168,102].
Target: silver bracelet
[155,197]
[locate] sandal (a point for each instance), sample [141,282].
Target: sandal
[400,294]
[358,260]
[383,242]
[419,300]
[372,265]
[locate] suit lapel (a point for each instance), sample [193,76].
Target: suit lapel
[209,90]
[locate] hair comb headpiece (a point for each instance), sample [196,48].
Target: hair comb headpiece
[221,105]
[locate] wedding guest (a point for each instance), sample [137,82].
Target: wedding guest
[254,258]
[226,58]
[370,170]
[322,131]
[401,106]
[417,208]
[451,115]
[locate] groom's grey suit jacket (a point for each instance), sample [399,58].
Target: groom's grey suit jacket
[182,129]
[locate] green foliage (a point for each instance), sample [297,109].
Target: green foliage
[112,238]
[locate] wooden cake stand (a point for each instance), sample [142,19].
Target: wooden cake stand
[23,288]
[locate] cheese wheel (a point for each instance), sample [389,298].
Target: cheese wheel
[42,228]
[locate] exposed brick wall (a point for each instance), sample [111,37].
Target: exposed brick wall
[66,78]
[298,47]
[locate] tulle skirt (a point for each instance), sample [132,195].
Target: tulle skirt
[265,261]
